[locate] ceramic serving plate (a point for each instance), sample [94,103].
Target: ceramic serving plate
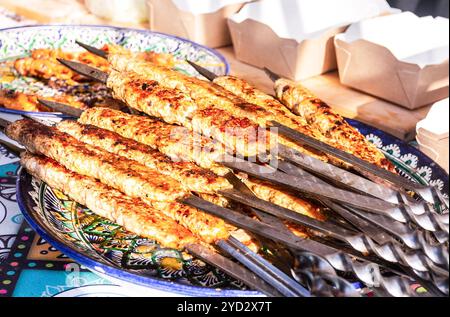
[107,249]
[18,42]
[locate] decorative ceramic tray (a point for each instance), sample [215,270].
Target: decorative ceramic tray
[18,42]
[106,248]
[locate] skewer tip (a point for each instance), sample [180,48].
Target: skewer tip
[11,147]
[61,108]
[92,49]
[65,62]
[203,71]
[85,70]
[4,123]
[274,77]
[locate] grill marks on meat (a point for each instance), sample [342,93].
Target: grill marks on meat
[245,91]
[250,94]
[130,126]
[176,142]
[321,117]
[131,213]
[129,177]
[238,134]
[194,178]
[203,93]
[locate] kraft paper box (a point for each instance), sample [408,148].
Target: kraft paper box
[401,58]
[204,21]
[294,38]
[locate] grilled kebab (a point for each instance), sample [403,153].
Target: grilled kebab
[231,93]
[312,111]
[16,100]
[239,134]
[205,95]
[128,176]
[178,146]
[132,213]
[193,177]
[42,64]
[134,180]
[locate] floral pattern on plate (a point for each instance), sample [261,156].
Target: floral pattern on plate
[18,42]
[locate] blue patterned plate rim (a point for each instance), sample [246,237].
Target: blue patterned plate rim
[438,171]
[56,26]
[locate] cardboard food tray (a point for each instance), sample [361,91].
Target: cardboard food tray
[286,57]
[374,68]
[294,38]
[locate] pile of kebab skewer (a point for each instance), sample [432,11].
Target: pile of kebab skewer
[221,168]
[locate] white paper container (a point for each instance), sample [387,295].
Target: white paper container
[204,21]
[401,58]
[433,133]
[294,37]
[128,11]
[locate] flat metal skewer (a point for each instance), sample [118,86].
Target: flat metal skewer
[425,222]
[335,232]
[429,193]
[101,76]
[269,285]
[412,238]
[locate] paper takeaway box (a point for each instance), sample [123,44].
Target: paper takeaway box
[432,133]
[401,58]
[204,21]
[129,11]
[294,38]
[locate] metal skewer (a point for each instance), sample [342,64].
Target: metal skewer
[101,76]
[428,193]
[292,216]
[310,186]
[272,281]
[393,211]
[260,228]
[93,50]
[334,231]
[429,223]
[346,175]
[321,273]
[412,238]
